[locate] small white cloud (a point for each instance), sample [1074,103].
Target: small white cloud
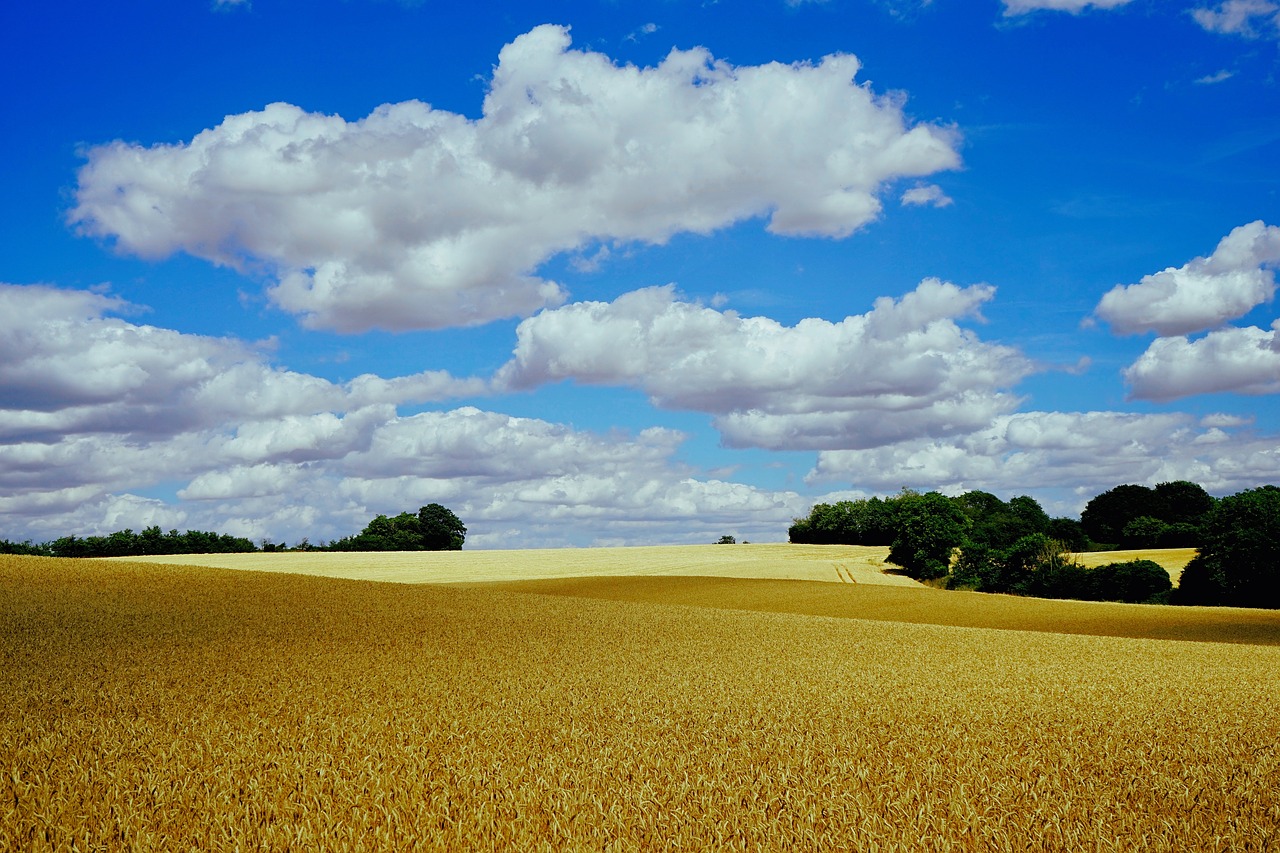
[646,30]
[1220,420]
[1203,293]
[1218,77]
[926,194]
[1022,7]
[1247,18]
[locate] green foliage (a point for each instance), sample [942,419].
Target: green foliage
[1181,502]
[1069,532]
[26,548]
[727,540]
[1108,516]
[929,528]
[151,541]
[1037,565]
[860,522]
[433,528]
[441,529]
[1239,559]
[1105,516]
[997,524]
[1033,565]
[1145,531]
[1136,581]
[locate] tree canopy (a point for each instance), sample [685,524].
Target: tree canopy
[1167,516]
[1239,558]
[432,528]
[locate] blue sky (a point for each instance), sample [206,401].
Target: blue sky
[599,273]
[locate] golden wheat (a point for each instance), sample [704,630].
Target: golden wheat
[1172,560]
[832,563]
[158,708]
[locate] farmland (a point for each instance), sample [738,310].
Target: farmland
[833,563]
[179,707]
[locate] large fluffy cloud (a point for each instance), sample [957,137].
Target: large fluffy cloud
[1203,293]
[903,369]
[415,217]
[1077,453]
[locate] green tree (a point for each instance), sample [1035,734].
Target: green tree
[997,524]
[441,530]
[1105,516]
[1069,532]
[1181,502]
[929,528]
[1144,531]
[1238,562]
[432,528]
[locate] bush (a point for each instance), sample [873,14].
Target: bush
[1136,581]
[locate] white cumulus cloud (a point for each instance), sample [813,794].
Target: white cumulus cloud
[903,369]
[1203,293]
[414,217]
[1244,360]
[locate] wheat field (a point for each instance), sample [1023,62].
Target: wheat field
[1172,560]
[150,707]
[832,563]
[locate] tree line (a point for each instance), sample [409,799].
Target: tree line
[978,542]
[431,528]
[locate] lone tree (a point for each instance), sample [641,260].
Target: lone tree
[1239,559]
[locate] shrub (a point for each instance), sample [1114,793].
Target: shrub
[1135,581]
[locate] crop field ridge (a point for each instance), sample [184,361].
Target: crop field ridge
[151,707]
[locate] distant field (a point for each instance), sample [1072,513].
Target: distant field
[1172,560]
[832,563]
[168,707]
